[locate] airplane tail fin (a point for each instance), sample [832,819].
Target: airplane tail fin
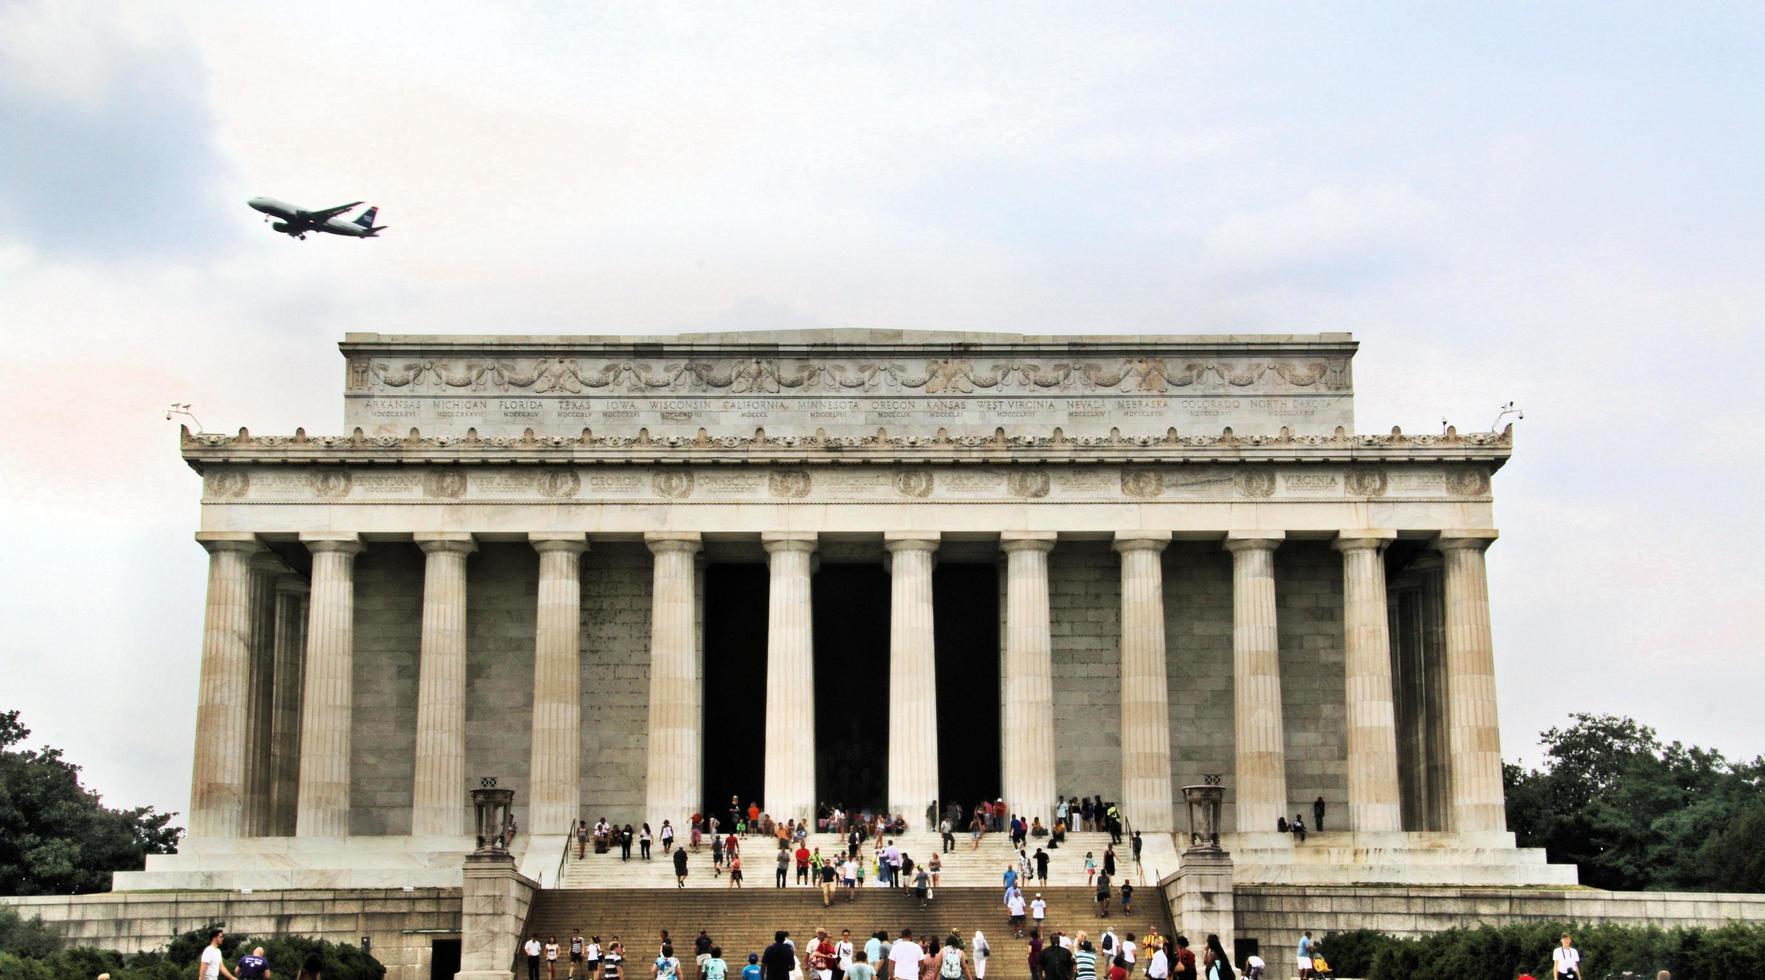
[367,218]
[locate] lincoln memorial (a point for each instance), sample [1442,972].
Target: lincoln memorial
[630,577]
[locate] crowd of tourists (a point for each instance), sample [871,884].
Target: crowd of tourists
[1056,955]
[864,852]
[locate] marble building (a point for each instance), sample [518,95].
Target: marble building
[632,576]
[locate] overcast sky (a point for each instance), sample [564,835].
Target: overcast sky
[1560,205]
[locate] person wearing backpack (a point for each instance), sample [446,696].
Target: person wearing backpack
[951,964]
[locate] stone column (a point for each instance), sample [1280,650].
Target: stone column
[291,614]
[323,808]
[1146,716]
[555,775]
[1260,759]
[438,785]
[913,677]
[1474,740]
[790,677]
[676,740]
[217,782]
[266,568]
[1374,802]
[1028,677]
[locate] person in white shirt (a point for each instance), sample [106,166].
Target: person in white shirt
[1038,909]
[1566,960]
[1160,967]
[904,957]
[1015,905]
[843,952]
[1129,949]
[213,966]
[1254,967]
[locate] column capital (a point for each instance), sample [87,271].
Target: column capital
[911,540]
[544,541]
[1141,540]
[774,541]
[1254,540]
[1358,539]
[660,541]
[445,542]
[1472,538]
[339,541]
[213,541]
[1026,540]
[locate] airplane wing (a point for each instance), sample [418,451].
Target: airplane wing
[329,213]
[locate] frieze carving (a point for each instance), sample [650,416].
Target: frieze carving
[301,443]
[559,484]
[330,484]
[1255,483]
[227,484]
[444,484]
[789,484]
[673,484]
[913,483]
[1143,483]
[1027,483]
[1468,482]
[933,376]
[1368,481]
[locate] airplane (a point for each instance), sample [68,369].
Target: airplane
[297,222]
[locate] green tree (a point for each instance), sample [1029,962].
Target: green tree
[56,836]
[1631,812]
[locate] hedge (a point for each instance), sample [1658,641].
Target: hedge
[1504,952]
[30,950]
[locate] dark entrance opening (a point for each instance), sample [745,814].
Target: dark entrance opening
[735,684]
[965,624]
[444,959]
[851,686]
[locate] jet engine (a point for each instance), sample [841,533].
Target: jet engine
[281,226]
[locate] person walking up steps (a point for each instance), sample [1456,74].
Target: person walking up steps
[680,868]
[735,871]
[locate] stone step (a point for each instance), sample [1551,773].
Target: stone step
[965,867]
[743,921]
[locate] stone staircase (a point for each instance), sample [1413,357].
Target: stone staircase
[966,867]
[743,921]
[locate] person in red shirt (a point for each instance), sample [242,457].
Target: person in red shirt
[802,864]
[1118,969]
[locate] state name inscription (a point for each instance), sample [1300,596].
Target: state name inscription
[1090,414]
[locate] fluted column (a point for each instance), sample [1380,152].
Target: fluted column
[323,807]
[217,782]
[554,778]
[1146,716]
[676,740]
[1028,753]
[291,614]
[790,676]
[913,676]
[1260,759]
[1374,802]
[438,787]
[1473,738]
[266,568]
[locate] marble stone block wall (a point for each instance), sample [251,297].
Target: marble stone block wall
[502,596]
[383,715]
[1308,603]
[616,583]
[1198,645]
[1084,599]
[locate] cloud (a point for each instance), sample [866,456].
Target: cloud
[110,140]
[1342,236]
